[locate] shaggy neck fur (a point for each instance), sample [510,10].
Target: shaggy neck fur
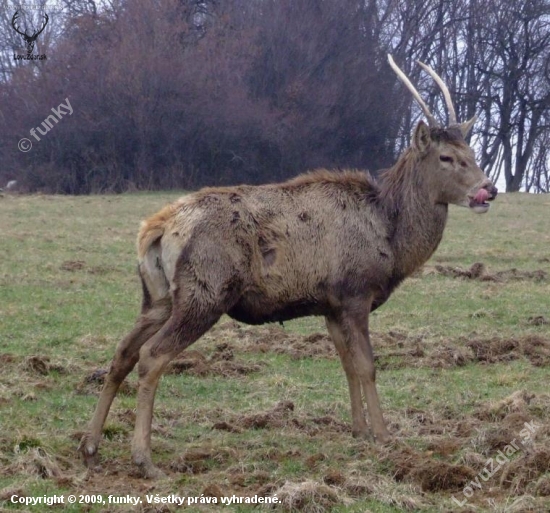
[410,206]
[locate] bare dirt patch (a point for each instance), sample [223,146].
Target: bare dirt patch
[282,415]
[273,339]
[220,363]
[278,416]
[93,382]
[533,347]
[82,265]
[198,461]
[72,265]
[463,351]
[43,365]
[538,320]
[516,403]
[521,475]
[7,358]
[309,496]
[478,271]
[393,350]
[429,473]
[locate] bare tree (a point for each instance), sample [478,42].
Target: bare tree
[181,93]
[512,58]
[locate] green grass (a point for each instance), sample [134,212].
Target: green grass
[68,292]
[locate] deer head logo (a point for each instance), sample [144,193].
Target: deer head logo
[29,39]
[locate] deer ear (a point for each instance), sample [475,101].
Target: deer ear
[467,126]
[421,137]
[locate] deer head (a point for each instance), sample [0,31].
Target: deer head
[29,39]
[447,161]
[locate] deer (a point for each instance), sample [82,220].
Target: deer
[29,39]
[325,243]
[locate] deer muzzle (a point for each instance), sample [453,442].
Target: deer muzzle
[479,201]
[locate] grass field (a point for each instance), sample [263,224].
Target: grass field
[463,355]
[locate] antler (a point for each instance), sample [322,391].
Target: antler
[24,34]
[431,120]
[440,83]
[444,90]
[43,26]
[15,16]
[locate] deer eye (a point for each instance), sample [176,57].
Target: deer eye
[446,158]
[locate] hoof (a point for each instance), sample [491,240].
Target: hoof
[383,438]
[151,472]
[145,466]
[89,454]
[362,435]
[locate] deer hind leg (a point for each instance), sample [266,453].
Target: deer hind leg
[179,332]
[359,426]
[206,289]
[126,357]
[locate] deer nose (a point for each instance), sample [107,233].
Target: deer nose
[491,189]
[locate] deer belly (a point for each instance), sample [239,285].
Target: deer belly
[257,310]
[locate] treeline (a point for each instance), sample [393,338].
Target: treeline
[184,93]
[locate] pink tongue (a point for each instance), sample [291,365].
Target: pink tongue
[482,196]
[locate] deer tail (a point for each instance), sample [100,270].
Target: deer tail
[153,277]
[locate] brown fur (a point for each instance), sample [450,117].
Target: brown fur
[325,243]
[153,228]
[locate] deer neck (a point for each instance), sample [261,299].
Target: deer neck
[417,221]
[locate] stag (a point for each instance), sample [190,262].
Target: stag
[29,40]
[326,243]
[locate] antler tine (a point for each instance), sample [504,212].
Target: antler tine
[444,90]
[43,26]
[13,21]
[432,121]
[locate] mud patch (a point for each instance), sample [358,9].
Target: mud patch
[42,365]
[198,461]
[225,426]
[101,269]
[520,475]
[93,382]
[309,496]
[535,348]
[393,350]
[72,265]
[516,403]
[462,352]
[430,474]
[82,265]
[277,417]
[7,358]
[276,340]
[478,271]
[34,461]
[538,320]
[282,415]
[220,363]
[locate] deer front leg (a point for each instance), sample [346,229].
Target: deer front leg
[359,428]
[363,358]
